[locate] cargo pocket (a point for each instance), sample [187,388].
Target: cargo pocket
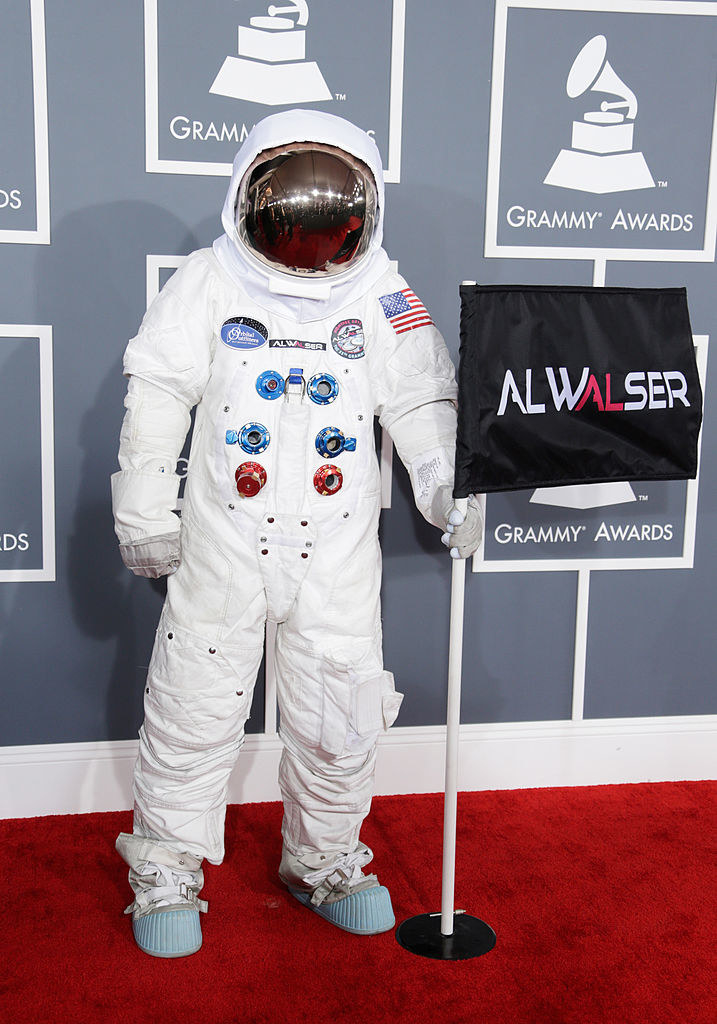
[329,703]
[391,702]
[376,704]
[314,696]
[198,695]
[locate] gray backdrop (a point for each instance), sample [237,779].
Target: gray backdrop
[74,650]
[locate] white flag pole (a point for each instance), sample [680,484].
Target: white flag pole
[464,937]
[453,720]
[459,937]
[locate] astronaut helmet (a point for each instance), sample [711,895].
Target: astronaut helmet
[307,209]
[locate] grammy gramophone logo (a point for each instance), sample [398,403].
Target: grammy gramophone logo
[601,158]
[271,67]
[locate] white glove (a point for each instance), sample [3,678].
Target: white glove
[464,531]
[153,557]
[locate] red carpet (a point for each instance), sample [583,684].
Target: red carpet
[603,899]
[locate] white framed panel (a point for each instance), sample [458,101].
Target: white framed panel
[11,192]
[270,68]
[41,333]
[600,184]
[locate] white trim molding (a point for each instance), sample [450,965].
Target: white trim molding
[77,778]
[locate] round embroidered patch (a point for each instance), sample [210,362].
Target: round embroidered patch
[347,339]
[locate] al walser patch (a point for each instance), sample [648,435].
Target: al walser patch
[347,339]
[243,332]
[310,346]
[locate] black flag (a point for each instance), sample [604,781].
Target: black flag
[562,385]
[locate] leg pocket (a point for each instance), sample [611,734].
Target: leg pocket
[314,696]
[331,703]
[376,704]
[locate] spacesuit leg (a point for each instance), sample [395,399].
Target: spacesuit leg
[199,688]
[335,700]
[197,700]
[332,713]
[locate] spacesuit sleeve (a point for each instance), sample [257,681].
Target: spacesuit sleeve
[416,389]
[168,367]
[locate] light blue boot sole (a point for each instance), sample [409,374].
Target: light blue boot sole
[368,912]
[168,932]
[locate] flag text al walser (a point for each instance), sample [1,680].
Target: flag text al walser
[646,389]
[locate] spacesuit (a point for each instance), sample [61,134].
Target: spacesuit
[288,336]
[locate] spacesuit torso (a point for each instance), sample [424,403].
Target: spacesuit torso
[286,419]
[284,430]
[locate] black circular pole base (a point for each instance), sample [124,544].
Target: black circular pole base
[422,935]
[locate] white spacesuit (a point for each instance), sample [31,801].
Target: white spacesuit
[288,336]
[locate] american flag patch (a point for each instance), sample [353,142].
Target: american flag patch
[405,311]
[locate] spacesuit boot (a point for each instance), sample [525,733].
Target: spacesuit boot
[165,910]
[339,891]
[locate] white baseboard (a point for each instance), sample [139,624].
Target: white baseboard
[75,778]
